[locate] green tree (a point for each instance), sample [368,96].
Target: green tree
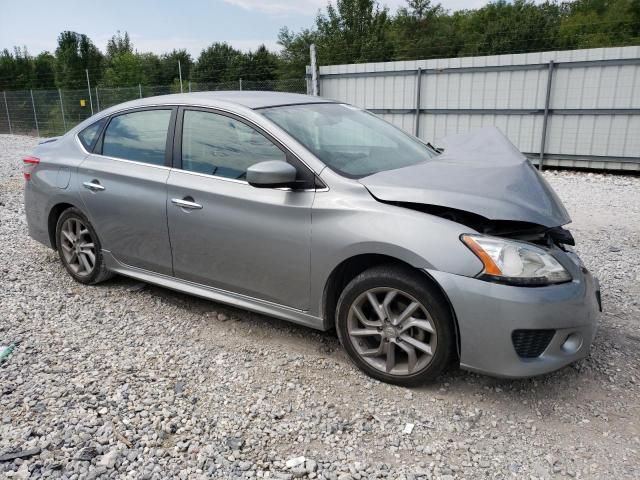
[119,44]
[151,67]
[125,69]
[44,68]
[354,31]
[600,23]
[262,65]
[423,30]
[75,53]
[295,51]
[219,62]
[169,66]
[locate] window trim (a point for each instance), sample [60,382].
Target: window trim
[314,183]
[89,149]
[168,148]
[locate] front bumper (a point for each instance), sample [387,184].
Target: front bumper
[488,314]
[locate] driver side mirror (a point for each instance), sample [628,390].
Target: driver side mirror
[271,174]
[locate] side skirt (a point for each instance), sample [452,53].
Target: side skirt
[215,294]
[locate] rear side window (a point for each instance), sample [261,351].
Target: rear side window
[222,146]
[89,135]
[139,136]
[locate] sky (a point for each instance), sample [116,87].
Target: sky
[161,26]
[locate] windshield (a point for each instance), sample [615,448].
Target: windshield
[350,141]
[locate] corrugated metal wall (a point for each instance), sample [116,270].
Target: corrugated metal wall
[594,100]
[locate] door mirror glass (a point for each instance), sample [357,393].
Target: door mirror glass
[271,174]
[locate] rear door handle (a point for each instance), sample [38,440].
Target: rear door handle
[186,202]
[93,185]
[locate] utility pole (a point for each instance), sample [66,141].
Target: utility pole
[89,89]
[314,70]
[180,74]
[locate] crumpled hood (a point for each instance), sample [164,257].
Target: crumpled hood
[480,172]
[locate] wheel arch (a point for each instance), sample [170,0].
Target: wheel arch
[52,220]
[351,267]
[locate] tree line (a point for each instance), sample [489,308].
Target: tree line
[347,31]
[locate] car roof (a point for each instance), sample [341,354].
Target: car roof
[246,98]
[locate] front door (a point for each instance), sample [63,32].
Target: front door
[224,232]
[123,186]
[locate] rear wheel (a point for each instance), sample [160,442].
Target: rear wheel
[79,248]
[395,326]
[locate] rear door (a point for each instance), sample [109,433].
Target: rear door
[228,234]
[123,184]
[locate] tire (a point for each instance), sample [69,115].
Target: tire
[73,223]
[401,326]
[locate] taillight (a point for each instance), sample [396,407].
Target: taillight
[29,163]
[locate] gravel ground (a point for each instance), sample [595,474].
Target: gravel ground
[124,380]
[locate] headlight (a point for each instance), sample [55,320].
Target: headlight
[513,262]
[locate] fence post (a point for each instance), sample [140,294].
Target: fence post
[97,100]
[35,116]
[64,120]
[240,82]
[6,107]
[545,119]
[314,71]
[189,86]
[418,88]
[89,89]
[140,89]
[180,74]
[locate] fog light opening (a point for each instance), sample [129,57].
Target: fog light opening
[572,343]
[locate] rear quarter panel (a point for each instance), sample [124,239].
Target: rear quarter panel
[51,183]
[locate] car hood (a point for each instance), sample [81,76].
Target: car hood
[480,172]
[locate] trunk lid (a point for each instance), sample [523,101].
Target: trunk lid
[480,172]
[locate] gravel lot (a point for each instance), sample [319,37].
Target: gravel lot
[124,380]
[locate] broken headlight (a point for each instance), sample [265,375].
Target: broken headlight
[514,262]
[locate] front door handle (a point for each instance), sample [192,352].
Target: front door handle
[94,186]
[186,202]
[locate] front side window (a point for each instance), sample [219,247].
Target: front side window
[139,136]
[89,135]
[350,141]
[222,146]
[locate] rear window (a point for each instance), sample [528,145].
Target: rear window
[139,136]
[89,135]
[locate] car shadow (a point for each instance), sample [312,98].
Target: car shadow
[305,340]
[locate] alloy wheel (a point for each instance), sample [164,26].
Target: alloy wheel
[392,331]
[78,247]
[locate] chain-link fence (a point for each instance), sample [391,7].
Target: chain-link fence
[46,113]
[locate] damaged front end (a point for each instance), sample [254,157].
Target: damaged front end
[482,181]
[513,229]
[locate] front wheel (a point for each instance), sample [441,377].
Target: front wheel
[395,326]
[79,248]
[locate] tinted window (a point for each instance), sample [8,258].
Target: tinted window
[221,146]
[351,141]
[89,135]
[139,136]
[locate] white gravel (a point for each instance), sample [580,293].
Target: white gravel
[116,381]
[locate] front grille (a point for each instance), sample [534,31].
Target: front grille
[531,343]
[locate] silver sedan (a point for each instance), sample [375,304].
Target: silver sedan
[325,215]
